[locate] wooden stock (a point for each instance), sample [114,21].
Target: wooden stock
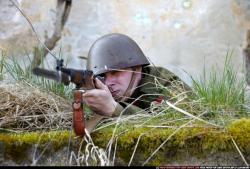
[79,123]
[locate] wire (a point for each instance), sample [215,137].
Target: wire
[26,17]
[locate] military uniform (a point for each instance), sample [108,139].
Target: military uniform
[150,89]
[116,51]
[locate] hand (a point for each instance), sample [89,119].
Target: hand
[100,100]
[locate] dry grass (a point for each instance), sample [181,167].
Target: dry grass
[88,155]
[26,108]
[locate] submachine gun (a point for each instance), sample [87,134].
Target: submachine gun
[83,80]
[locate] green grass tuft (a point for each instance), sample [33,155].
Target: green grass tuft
[222,93]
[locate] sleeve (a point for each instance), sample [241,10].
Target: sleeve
[126,109]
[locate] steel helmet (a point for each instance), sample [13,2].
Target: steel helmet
[114,51]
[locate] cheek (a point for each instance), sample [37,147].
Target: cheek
[119,81]
[124,80]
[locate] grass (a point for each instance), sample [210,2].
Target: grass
[25,110]
[2,67]
[23,73]
[222,94]
[214,105]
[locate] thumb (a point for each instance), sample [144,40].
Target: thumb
[99,84]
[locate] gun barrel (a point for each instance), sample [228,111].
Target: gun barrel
[56,76]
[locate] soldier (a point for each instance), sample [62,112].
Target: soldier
[131,84]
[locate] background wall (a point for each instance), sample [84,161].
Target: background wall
[188,34]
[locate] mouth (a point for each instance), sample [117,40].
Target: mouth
[114,93]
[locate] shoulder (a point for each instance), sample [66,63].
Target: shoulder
[153,76]
[166,76]
[160,72]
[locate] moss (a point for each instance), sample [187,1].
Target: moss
[17,144]
[240,132]
[193,141]
[56,137]
[196,141]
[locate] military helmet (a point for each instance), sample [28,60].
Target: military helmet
[114,51]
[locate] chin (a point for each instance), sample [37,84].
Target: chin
[117,97]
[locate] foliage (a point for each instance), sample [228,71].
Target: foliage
[223,96]
[22,72]
[205,121]
[196,139]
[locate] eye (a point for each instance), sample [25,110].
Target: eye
[113,72]
[102,75]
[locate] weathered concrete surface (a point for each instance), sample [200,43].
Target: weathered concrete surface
[61,157]
[16,36]
[188,34]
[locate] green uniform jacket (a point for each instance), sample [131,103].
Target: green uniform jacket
[157,84]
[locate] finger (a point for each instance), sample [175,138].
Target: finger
[93,105]
[99,84]
[90,93]
[91,101]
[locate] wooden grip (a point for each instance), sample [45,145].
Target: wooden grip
[78,114]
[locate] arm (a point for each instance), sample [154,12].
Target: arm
[126,109]
[101,101]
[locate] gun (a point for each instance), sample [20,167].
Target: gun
[83,80]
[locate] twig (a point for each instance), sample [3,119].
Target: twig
[119,117]
[188,114]
[239,151]
[130,161]
[185,124]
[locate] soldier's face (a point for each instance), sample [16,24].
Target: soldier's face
[118,81]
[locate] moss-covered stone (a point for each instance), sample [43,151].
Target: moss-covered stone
[17,146]
[196,141]
[189,143]
[57,138]
[240,132]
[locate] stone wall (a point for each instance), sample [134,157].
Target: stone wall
[187,34]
